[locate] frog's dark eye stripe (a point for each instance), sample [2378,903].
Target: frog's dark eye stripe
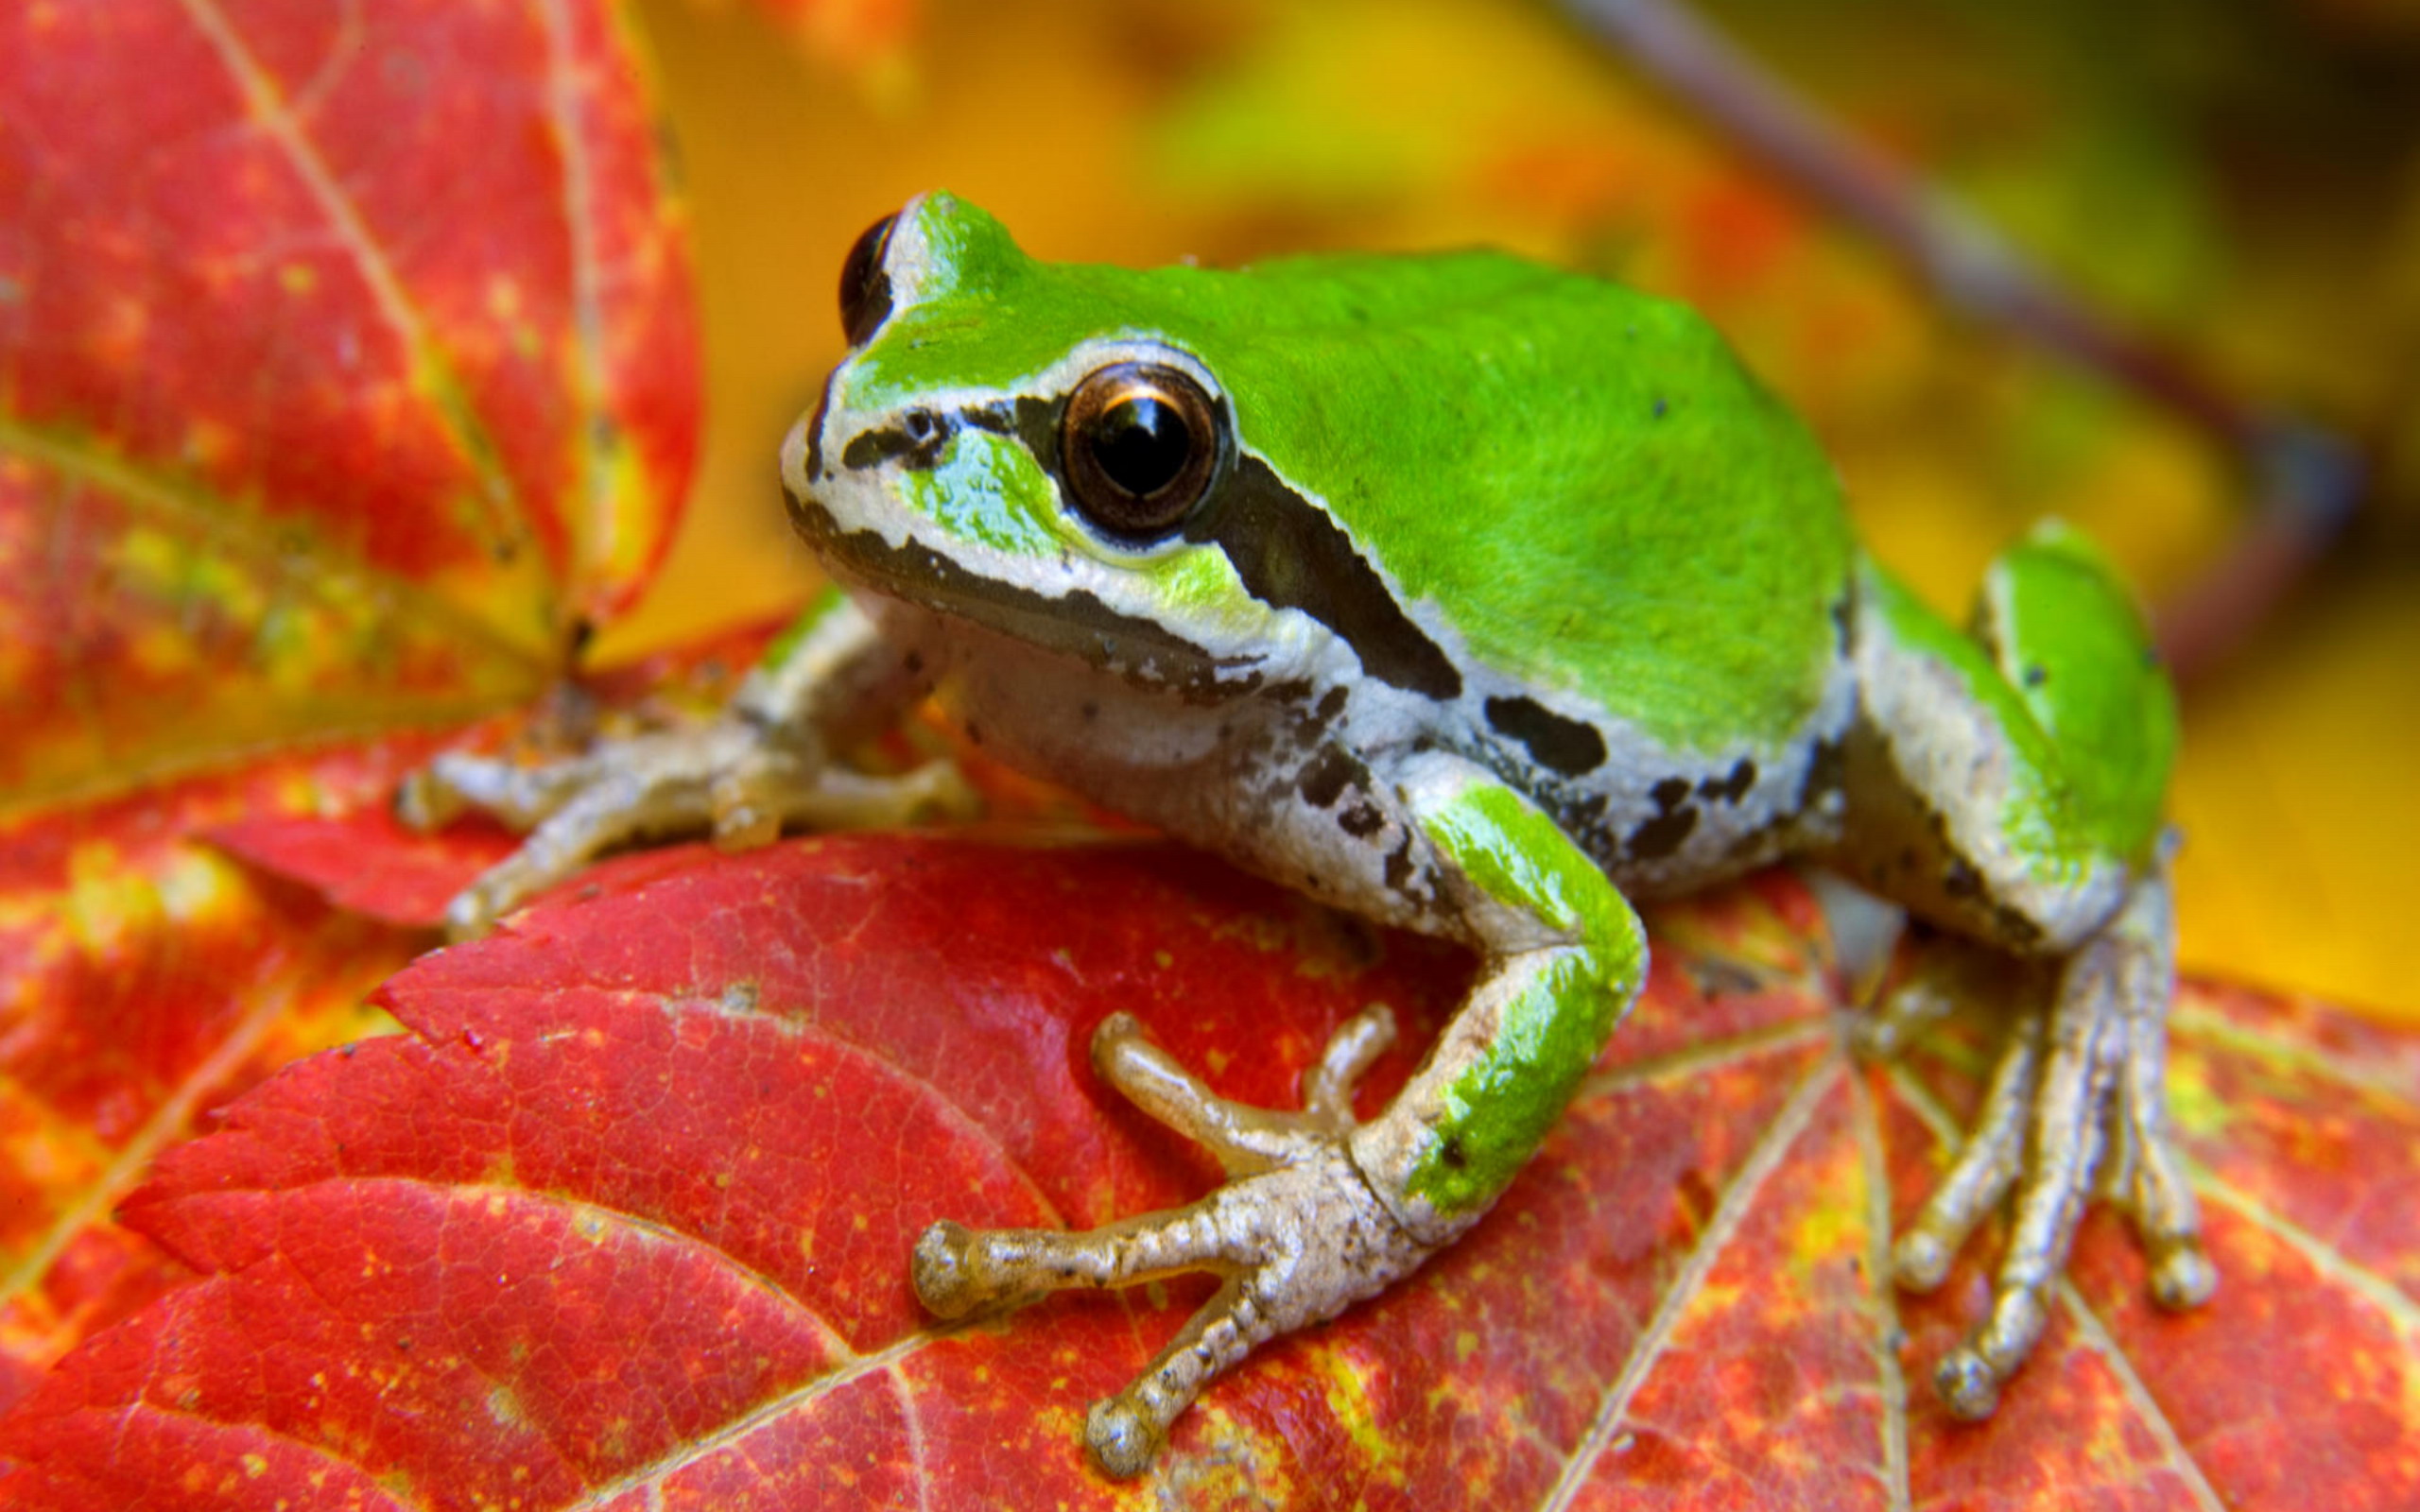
[865,288]
[1139,445]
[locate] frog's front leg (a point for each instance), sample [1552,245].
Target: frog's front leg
[1319,1213]
[762,765]
[2009,787]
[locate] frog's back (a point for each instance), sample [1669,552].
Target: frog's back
[1580,481]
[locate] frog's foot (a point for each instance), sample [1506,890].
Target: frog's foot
[1298,1234]
[2079,1097]
[725,778]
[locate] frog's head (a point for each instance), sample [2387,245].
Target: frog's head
[1047,450]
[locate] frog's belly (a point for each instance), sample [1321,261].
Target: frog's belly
[1304,791]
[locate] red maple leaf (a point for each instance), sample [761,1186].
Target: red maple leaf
[346,366]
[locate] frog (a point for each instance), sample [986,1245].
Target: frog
[1473,598]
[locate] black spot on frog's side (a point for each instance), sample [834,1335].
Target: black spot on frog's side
[1330,774]
[1733,787]
[1569,747]
[1675,819]
[1361,820]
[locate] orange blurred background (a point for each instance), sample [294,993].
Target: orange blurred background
[2244,181]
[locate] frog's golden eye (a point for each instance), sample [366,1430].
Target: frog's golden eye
[865,288]
[1139,445]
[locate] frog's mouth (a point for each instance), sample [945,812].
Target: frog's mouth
[1076,624]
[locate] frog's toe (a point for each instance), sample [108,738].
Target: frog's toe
[602,815]
[950,1269]
[1987,1166]
[516,794]
[1124,1435]
[1967,1386]
[1245,1139]
[2184,1279]
[2155,1192]
[751,800]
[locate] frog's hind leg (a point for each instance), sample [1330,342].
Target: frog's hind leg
[2077,1103]
[2007,787]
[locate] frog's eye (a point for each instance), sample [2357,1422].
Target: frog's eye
[1139,444]
[865,288]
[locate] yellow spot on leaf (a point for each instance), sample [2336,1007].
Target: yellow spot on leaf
[1348,1398]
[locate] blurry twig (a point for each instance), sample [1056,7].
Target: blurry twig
[2304,482]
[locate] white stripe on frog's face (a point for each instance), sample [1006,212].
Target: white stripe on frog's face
[877,495]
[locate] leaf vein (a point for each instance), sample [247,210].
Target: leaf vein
[276,119]
[1887,1327]
[1729,1212]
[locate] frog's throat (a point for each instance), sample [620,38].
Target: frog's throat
[1075,625]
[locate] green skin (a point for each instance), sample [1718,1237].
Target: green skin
[1509,597]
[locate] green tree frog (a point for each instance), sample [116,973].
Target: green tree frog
[1476,598]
